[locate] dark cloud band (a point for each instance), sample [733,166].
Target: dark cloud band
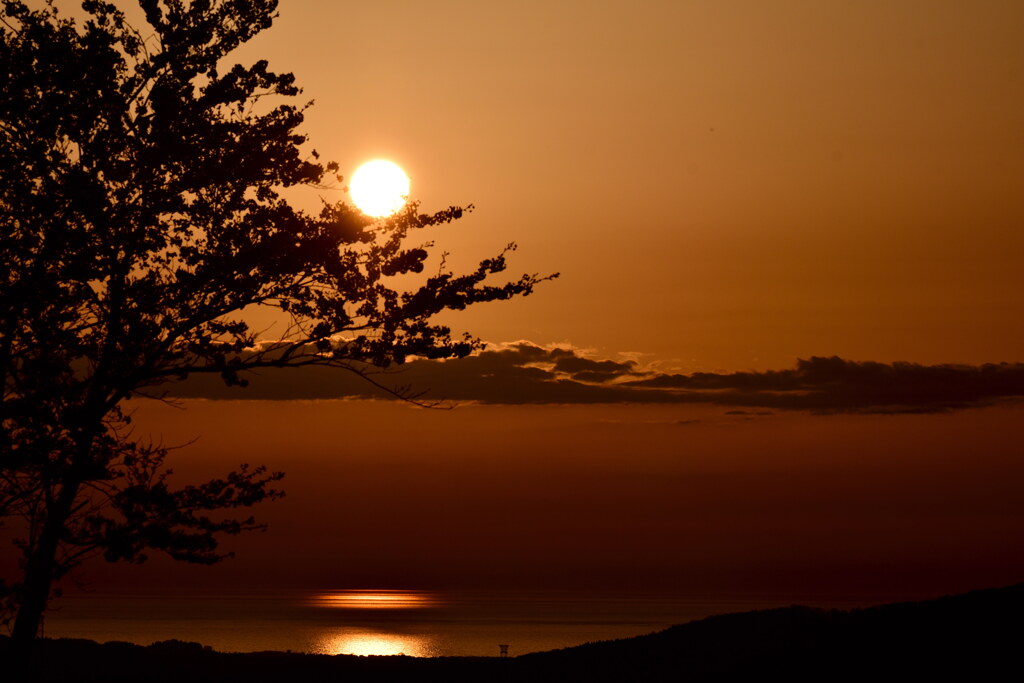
[523,373]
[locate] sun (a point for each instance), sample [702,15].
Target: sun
[379,188]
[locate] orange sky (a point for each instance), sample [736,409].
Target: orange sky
[724,186]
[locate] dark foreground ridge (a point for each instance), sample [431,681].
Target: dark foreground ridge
[974,636]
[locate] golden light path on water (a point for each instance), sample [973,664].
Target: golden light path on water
[375,643]
[348,640]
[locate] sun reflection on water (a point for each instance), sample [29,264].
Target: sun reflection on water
[368,643]
[375,599]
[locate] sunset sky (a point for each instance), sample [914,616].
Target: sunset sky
[738,188]
[724,185]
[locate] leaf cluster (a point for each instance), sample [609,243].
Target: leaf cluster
[141,214]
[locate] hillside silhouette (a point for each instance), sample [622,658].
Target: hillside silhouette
[974,636]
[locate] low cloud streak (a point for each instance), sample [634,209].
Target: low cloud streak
[524,373]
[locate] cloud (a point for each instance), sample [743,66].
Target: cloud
[838,385]
[587,370]
[523,373]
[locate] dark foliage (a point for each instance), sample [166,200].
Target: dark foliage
[141,211]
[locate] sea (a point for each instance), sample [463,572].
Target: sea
[383,622]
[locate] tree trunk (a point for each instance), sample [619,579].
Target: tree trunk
[40,572]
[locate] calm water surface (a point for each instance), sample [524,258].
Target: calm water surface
[416,623]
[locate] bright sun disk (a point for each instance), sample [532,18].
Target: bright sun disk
[379,188]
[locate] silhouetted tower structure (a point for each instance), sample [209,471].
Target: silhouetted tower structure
[504,649]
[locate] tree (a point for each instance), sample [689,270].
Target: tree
[142,213]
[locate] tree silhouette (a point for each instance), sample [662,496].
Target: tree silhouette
[142,212]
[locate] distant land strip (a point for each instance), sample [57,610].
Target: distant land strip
[974,636]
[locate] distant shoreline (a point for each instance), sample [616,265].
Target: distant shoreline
[418,623]
[959,635]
